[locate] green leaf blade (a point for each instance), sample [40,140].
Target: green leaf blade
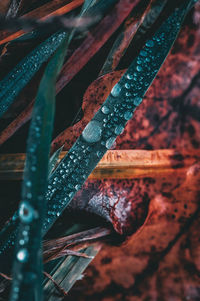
[27,269]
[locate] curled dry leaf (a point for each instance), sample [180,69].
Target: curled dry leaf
[124,203]
[161,261]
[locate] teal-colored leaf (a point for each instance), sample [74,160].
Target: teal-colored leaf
[54,159]
[27,269]
[18,78]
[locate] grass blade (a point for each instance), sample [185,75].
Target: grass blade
[18,78]
[135,25]
[69,271]
[27,269]
[54,159]
[14,8]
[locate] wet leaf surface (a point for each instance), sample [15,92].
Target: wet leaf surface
[170,111]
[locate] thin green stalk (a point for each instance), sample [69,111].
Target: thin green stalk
[27,268]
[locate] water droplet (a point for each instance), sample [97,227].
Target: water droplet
[129,76]
[143,53]
[116,90]
[21,242]
[100,154]
[150,43]
[119,129]
[105,110]
[92,132]
[139,68]
[29,195]
[28,183]
[137,101]
[128,115]
[77,187]
[127,86]
[128,94]
[26,212]
[110,142]
[22,255]
[71,195]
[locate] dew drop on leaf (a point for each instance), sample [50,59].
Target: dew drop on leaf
[129,76]
[92,132]
[105,110]
[127,86]
[28,183]
[139,68]
[110,142]
[143,53]
[26,212]
[119,129]
[22,255]
[128,115]
[137,101]
[116,90]
[150,43]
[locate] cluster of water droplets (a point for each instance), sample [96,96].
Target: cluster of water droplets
[100,134]
[27,214]
[17,79]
